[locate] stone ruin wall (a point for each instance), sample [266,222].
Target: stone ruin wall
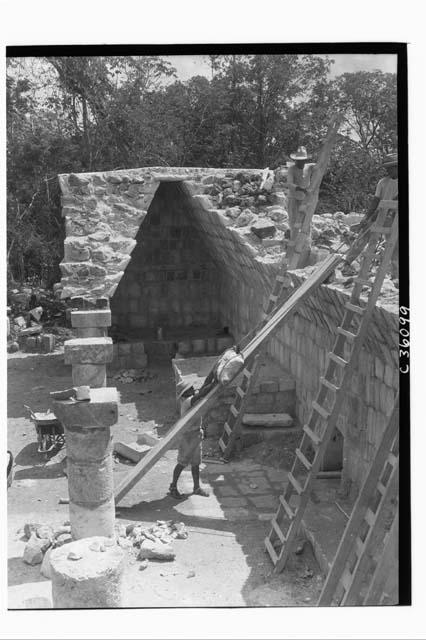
[103,214]
[301,346]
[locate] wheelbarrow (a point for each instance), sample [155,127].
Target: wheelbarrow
[50,431]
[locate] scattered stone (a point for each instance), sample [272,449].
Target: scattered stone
[64,538]
[129,528]
[73,555]
[34,550]
[191,574]
[263,229]
[95,546]
[12,347]
[63,501]
[245,218]
[180,530]
[45,531]
[156,551]
[143,565]
[30,528]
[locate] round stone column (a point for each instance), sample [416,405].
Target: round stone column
[87,574]
[90,465]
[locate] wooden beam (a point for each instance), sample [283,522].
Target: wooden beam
[198,410]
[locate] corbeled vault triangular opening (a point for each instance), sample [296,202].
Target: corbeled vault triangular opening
[172,280]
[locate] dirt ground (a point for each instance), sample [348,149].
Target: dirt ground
[221,563]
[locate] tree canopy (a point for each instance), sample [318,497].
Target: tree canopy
[82,113]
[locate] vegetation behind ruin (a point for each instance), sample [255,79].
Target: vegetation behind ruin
[77,114]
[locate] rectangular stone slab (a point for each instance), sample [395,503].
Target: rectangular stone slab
[88,351]
[267,420]
[100,411]
[95,318]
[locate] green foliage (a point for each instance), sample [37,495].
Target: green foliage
[73,114]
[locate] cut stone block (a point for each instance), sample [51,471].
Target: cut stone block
[88,351]
[47,342]
[132,451]
[93,375]
[147,438]
[100,411]
[95,318]
[267,420]
[263,229]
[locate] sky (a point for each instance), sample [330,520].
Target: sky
[188,66]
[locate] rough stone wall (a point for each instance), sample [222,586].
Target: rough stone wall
[301,346]
[104,211]
[171,280]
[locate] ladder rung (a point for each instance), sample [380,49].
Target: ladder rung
[241,392]
[277,530]
[319,409]
[234,411]
[289,511]
[273,298]
[359,547]
[298,488]
[354,307]
[227,428]
[222,445]
[337,359]
[270,549]
[392,459]
[346,580]
[381,488]
[329,384]
[348,334]
[316,440]
[280,279]
[369,517]
[247,373]
[303,459]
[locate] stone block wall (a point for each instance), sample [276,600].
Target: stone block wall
[301,346]
[171,279]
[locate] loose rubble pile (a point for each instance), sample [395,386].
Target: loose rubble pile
[152,543]
[128,376]
[33,317]
[41,538]
[145,543]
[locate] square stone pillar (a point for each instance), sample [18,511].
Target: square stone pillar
[90,352]
[90,465]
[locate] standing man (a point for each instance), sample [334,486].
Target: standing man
[387,189]
[298,181]
[190,451]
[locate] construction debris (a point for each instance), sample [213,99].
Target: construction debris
[151,543]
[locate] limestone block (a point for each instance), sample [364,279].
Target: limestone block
[92,581]
[78,180]
[156,550]
[76,250]
[34,549]
[133,451]
[274,420]
[88,350]
[95,318]
[100,411]
[92,375]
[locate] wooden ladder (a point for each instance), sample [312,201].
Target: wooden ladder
[326,408]
[357,576]
[232,426]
